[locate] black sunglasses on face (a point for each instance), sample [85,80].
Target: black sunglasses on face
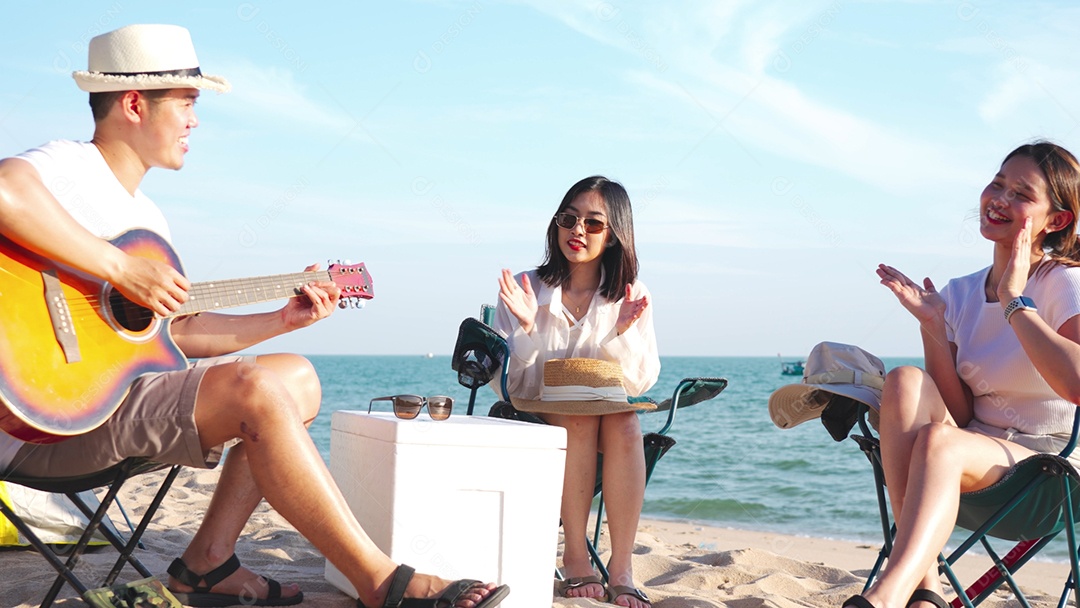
[569,220]
[408,407]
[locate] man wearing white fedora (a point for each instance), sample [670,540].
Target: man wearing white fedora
[62,201]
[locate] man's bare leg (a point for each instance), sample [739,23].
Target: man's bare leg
[280,462]
[237,496]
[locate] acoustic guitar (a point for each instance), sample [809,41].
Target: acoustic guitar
[70,344]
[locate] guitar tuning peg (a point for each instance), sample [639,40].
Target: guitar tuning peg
[343,304]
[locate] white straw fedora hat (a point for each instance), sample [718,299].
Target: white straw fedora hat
[581,387]
[144,57]
[831,370]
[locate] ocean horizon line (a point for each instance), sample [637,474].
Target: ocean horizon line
[437,354]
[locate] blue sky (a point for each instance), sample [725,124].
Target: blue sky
[775,152]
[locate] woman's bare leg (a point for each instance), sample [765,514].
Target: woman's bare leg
[579,482]
[624,493]
[928,462]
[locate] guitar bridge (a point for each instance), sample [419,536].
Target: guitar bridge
[63,328]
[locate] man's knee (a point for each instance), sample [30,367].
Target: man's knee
[257,390]
[305,387]
[299,378]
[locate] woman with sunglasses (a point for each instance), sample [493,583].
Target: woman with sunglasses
[584,300]
[1002,356]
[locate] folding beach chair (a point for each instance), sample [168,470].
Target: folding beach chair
[481,355]
[1036,500]
[113,478]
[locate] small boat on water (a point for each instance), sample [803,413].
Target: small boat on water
[791,368]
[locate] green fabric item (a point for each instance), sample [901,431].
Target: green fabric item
[1038,514]
[145,593]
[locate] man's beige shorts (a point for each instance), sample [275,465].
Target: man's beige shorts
[155,421]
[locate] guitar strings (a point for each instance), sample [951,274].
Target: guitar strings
[269,288]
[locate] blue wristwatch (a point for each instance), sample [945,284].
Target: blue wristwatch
[1017,304]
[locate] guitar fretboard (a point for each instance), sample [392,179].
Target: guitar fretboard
[228,293]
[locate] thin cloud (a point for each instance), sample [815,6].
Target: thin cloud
[730,83]
[274,95]
[1012,91]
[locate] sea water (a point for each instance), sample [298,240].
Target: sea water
[731,466]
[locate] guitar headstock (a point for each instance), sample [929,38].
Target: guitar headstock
[354,282]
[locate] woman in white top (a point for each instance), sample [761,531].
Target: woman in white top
[1002,378]
[584,300]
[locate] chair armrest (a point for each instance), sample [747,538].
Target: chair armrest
[688,392]
[692,391]
[1068,449]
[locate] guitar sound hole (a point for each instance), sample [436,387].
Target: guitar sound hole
[128,314]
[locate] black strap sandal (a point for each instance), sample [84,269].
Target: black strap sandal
[201,584]
[858,601]
[926,595]
[395,596]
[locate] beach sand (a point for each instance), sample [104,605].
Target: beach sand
[679,564]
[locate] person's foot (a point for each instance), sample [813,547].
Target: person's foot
[622,591]
[631,597]
[426,586]
[248,587]
[581,581]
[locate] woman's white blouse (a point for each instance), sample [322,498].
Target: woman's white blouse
[556,336]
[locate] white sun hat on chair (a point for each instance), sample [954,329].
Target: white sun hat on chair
[144,57]
[831,369]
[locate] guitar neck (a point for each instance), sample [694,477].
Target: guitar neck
[230,293]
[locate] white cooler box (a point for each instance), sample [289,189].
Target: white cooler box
[465,497]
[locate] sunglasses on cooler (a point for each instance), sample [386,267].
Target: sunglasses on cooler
[408,407]
[569,220]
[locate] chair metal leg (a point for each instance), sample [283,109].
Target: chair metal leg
[64,573]
[982,588]
[1069,584]
[118,542]
[883,554]
[1070,531]
[1004,567]
[600,567]
[91,527]
[595,542]
[95,516]
[1004,571]
[888,530]
[472,401]
[1013,561]
[128,549]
